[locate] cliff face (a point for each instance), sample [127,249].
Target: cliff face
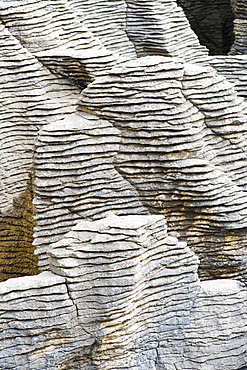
[122,178]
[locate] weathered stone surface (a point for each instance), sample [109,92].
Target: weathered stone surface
[183,145]
[138,28]
[160,27]
[39,324]
[123,294]
[30,98]
[75,178]
[107,20]
[56,37]
[233,67]
[156,135]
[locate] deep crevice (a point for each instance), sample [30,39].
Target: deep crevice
[212,22]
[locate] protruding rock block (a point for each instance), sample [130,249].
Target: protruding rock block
[39,324]
[75,178]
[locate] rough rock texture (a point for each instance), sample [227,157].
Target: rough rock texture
[158,138]
[39,324]
[183,146]
[30,98]
[123,295]
[56,37]
[75,178]
[107,20]
[233,67]
[160,27]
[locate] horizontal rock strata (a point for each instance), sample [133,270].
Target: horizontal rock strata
[30,98]
[123,294]
[57,38]
[155,136]
[75,178]
[183,148]
[39,324]
[107,21]
[160,27]
[233,67]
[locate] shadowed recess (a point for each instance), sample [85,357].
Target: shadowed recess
[212,21]
[16,235]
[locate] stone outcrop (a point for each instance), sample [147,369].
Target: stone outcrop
[122,294]
[75,178]
[30,98]
[183,132]
[123,176]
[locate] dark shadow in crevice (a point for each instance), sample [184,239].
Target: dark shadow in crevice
[212,22]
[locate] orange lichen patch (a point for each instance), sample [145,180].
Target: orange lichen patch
[16,237]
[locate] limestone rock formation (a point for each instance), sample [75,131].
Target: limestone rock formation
[75,178]
[122,294]
[123,178]
[183,132]
[30,98]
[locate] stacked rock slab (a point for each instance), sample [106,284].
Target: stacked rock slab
[30,98]
[153,135]
[116,269]
[39,324]
[57,38]
[139,27]
[183,148]
[160,27]
[107,21]
[123,295]
[75,178]
[233,67]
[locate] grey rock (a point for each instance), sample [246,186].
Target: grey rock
[193,138]
[131,188]
[110,306]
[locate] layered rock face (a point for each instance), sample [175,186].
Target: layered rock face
[123,179]
[122,294]
[31,97]
[183,135]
